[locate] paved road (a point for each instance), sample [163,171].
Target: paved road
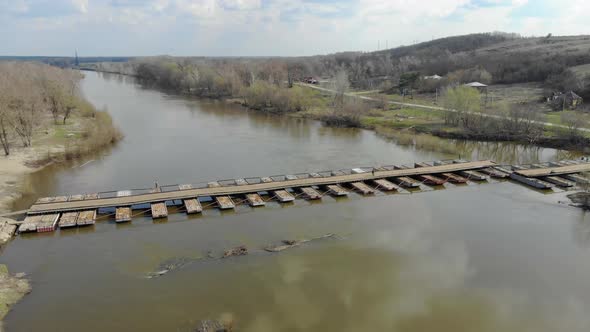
[436,108]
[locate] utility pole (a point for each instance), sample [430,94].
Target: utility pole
[436,97]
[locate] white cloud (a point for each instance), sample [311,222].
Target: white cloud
[240,4]
[17,6]
[160,5]
[197,8]
[410,8]
[279,27]
[80,5]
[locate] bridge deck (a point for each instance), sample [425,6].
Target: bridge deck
[569,169]
[124,199]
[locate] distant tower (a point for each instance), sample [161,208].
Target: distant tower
[77,62]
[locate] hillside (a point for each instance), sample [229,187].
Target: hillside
[492,58]
[554,62]
[454,44]
[546,46]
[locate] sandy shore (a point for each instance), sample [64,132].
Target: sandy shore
[14,169]
[12,289]
[13,172]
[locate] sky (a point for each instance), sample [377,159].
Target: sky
[266,27]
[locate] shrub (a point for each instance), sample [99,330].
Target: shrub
[349,116]
[268,97]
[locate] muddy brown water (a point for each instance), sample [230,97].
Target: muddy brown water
[482,257]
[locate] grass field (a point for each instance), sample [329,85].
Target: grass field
[556,117]
[414,120]
[581,71]
[517,94]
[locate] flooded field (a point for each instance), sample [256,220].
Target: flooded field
[481,257]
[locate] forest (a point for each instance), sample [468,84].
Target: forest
[271,84]
[38,99]
[492,58]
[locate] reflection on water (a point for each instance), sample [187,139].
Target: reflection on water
[582,229]
[489,257]
[500,260]
[173,139]
[385,291]
[511,153]
[108,77]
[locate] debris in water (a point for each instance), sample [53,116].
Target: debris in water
[580,199]
[237,251]
[170,265]
[287,244]
[179,262]
[211,326]
[84,164]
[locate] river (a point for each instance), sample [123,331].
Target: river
[482,257]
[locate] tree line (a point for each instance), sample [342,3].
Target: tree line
[507,122]
[491,58]
[261,84]
[503,58]
[33,95]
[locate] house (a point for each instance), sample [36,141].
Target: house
[568,100]
[310,80]
[433,77]
[479,86]
[476,85]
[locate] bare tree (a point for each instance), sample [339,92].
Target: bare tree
[26,91]
[23,121]
[524,121]
[70,82]
[5,100]
[4,131]
[341,86]
[27,103]
[60,90]
[383,102]
[53,97]
[574,122]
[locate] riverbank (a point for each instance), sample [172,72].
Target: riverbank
[416,128]
[12,289]
[438,238]
[382,113]
[82,135]
[385,114]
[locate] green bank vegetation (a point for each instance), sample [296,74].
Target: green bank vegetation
[41,106]
[267,86]
[521,71]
